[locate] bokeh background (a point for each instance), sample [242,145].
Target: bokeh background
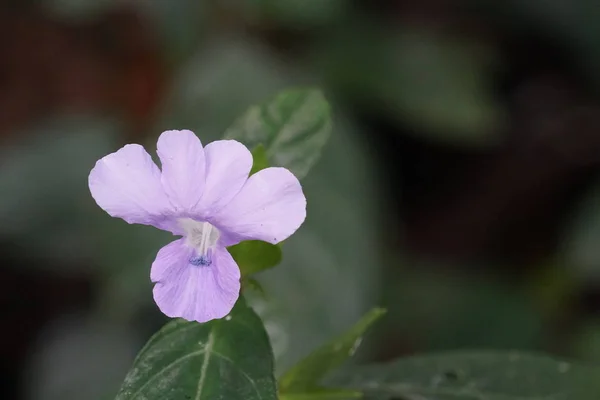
[460,188]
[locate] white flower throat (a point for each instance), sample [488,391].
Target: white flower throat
[202,237]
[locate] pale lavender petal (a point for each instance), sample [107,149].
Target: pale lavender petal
[126,184]
[166,266]
[228,164]
[270,207]
[183,167]
[195,293]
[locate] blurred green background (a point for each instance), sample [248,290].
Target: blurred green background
[460,188]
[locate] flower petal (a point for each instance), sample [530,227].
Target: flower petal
[270,207]
[228,164]
[126,184]
[183,167]
[195,293]
[166,266]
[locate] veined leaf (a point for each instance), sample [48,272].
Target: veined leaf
[474,376]
[230,358]
[293,127]
[307,374]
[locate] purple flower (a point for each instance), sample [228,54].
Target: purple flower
[206,196]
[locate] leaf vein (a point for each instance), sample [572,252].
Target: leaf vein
[286,117]
[207,354]
[243,373]
[163,370]
[161,336]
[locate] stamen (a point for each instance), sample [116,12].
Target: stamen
[198,261]
[203,237]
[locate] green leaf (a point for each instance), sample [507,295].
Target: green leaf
[308,373]
[317,256]
[251,283]
[293,126]
[260,160]
[475,376]
[230,358]
[253,256]
[323,394]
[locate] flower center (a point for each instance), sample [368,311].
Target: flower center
[201,236]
